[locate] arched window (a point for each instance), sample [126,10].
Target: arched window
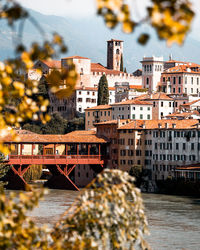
[145,67]
[147,81]
[117,51]
[150,68]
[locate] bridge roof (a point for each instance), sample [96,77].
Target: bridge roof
[78,136]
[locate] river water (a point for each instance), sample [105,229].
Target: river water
[174,222]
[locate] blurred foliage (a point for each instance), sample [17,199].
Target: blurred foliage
[3,170]
[171,19]
[108,215]
[17,231]
[33,173]
[19,100]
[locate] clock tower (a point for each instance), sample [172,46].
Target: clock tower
[114,54]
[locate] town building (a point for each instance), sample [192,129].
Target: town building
[181,79]
[125,91]
[132,109]
[152,67]
[162,104]
[100,113]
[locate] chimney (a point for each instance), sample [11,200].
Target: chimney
[166,125]
[173,125]
[144,125]
[159,125]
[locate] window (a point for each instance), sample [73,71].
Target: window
[88,113]
[174,90]
[197,80]
[191,80]
[192,146]
[80,99]
[93,93]
[191,90]
[133,108]
[147,81]
[154,104]
[88,92]
[179,80]
[148,108]
[141,108]
[177,146]
[161,104]
[117,51]
[174,80]
[148,117]
[133,116]
[179,90]
[170,104]
[141,117]
[79,92]
[184,146]
[80,109]
[163,79]
[185,80]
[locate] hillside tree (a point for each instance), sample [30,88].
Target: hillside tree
[121,64]
[103,91]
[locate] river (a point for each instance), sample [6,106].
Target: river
[174,222]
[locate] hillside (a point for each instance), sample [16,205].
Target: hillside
[88,36]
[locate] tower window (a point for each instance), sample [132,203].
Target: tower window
[117,51]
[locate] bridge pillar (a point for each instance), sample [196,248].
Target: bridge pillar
[60,177]
[15,178]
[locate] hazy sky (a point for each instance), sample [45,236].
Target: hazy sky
[74,8]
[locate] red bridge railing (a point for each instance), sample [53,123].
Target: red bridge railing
[55,159]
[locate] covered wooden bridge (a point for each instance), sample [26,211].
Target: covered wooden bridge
[59,153]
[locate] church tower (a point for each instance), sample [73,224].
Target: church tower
[114,54]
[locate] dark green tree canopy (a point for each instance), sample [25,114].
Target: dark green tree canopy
[122,64]
[103,92]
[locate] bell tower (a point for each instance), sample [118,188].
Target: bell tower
[114,54]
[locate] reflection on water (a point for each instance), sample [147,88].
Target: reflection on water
[174,222]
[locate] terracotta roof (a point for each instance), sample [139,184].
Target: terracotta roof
[154,124]
[111,88]
[112,122]
[87,88]
[135,87]
[184,114]
[97,67]
[73,137]
[190,103]
[76,57]
[53,64]
[184,69]
[100,107]
[156,96]
[107,122]
[132,102]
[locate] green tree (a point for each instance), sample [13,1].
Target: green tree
[121,64]
[103,92]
